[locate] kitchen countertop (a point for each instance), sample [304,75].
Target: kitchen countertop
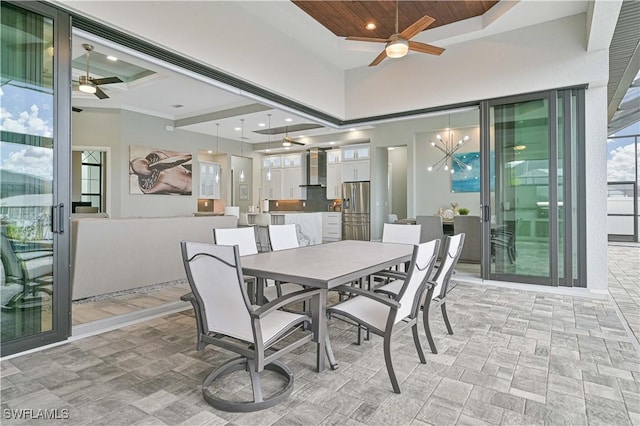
[283,212]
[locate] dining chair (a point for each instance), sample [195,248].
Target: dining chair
[282,237]
[391,218]
[245,239]
[262,222]
[451,254]
[382,315]
[226,318]
[401,234]
[471,226]
[431,229]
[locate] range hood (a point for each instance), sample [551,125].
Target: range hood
[316,168]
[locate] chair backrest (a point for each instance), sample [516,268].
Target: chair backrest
[10,262]
[232,211]
[403,234]
[215,277]
[243,220]
[453,247]
[263,219]
[472,228]
[244,238]
[391,218]
[431,228]
[283,237]
[422,261]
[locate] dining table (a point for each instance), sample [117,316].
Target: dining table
[324,266]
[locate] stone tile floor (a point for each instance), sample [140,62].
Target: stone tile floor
[516,358]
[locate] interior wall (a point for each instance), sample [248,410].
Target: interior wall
[534,58]
[398,160]
[119,129]
[76,173]
[437,191]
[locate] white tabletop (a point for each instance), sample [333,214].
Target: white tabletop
[326,265]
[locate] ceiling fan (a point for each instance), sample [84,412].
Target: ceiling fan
[399,43]
[89,84]
[287,141]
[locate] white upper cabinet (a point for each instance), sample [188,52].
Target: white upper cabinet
[334,181]
[292,160]
[355,163]
[355,152]
[291,180]
[272,185]
[334,156]
[210,180]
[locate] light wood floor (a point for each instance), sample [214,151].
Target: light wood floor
[85,312]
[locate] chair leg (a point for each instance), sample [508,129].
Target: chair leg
[416,340]
[446,318]
[387,361]
[330,356]
[425,321]
[359,335]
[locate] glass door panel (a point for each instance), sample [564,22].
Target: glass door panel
[29,190]
[520,192]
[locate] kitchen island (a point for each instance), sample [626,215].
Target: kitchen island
[308,224]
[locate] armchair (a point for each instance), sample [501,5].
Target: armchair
[381,315]
[225,318]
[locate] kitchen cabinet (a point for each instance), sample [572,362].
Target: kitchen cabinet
[356,152]
[356,171]
[272,188]
[331,227]
[291,180]
[210,180]
[334,181]
[355,163]
[334,156]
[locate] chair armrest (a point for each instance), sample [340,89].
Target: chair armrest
[391,274]
[278,303]
[368,294]
[189,297]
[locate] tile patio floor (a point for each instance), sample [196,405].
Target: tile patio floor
[517,357]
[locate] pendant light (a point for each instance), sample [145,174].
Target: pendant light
[242,148]
[269,146]
[217,146]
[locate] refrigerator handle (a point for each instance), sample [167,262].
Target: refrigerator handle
[345,203]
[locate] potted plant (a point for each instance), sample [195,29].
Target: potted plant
[463,211]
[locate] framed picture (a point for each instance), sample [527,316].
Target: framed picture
[159,171]
[244,192]
[465,179]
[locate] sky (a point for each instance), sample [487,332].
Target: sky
[25,110]
[621,155]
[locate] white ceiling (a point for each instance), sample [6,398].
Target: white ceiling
[156,94]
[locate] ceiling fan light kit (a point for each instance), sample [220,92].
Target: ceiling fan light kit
[86,85]
[397,48]
[399,43]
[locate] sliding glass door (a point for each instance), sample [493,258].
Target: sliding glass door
[530,198]
[34,184]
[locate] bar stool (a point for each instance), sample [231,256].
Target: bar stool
[262,222]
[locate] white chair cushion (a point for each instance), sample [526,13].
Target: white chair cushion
[402,234]
[276,322]
[367,310]
[245,238]
[393,287]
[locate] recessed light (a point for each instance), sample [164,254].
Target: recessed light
[370,26]
[352,130]
[288,120]
[261,124]
[112,58]
[332,143]
[287,148]
[210,152]
[237,129]
[177,106]
[391,148]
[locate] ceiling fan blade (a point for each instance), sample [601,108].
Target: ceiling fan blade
[413,29]
[106,80]
[378,58]
[99,93]
[425,48]
[371,39]
[75,109]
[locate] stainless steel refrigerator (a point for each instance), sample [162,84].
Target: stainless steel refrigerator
[356,211]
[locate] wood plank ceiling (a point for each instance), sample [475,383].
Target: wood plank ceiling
[349,18]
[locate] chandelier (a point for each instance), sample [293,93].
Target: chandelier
[448,147]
